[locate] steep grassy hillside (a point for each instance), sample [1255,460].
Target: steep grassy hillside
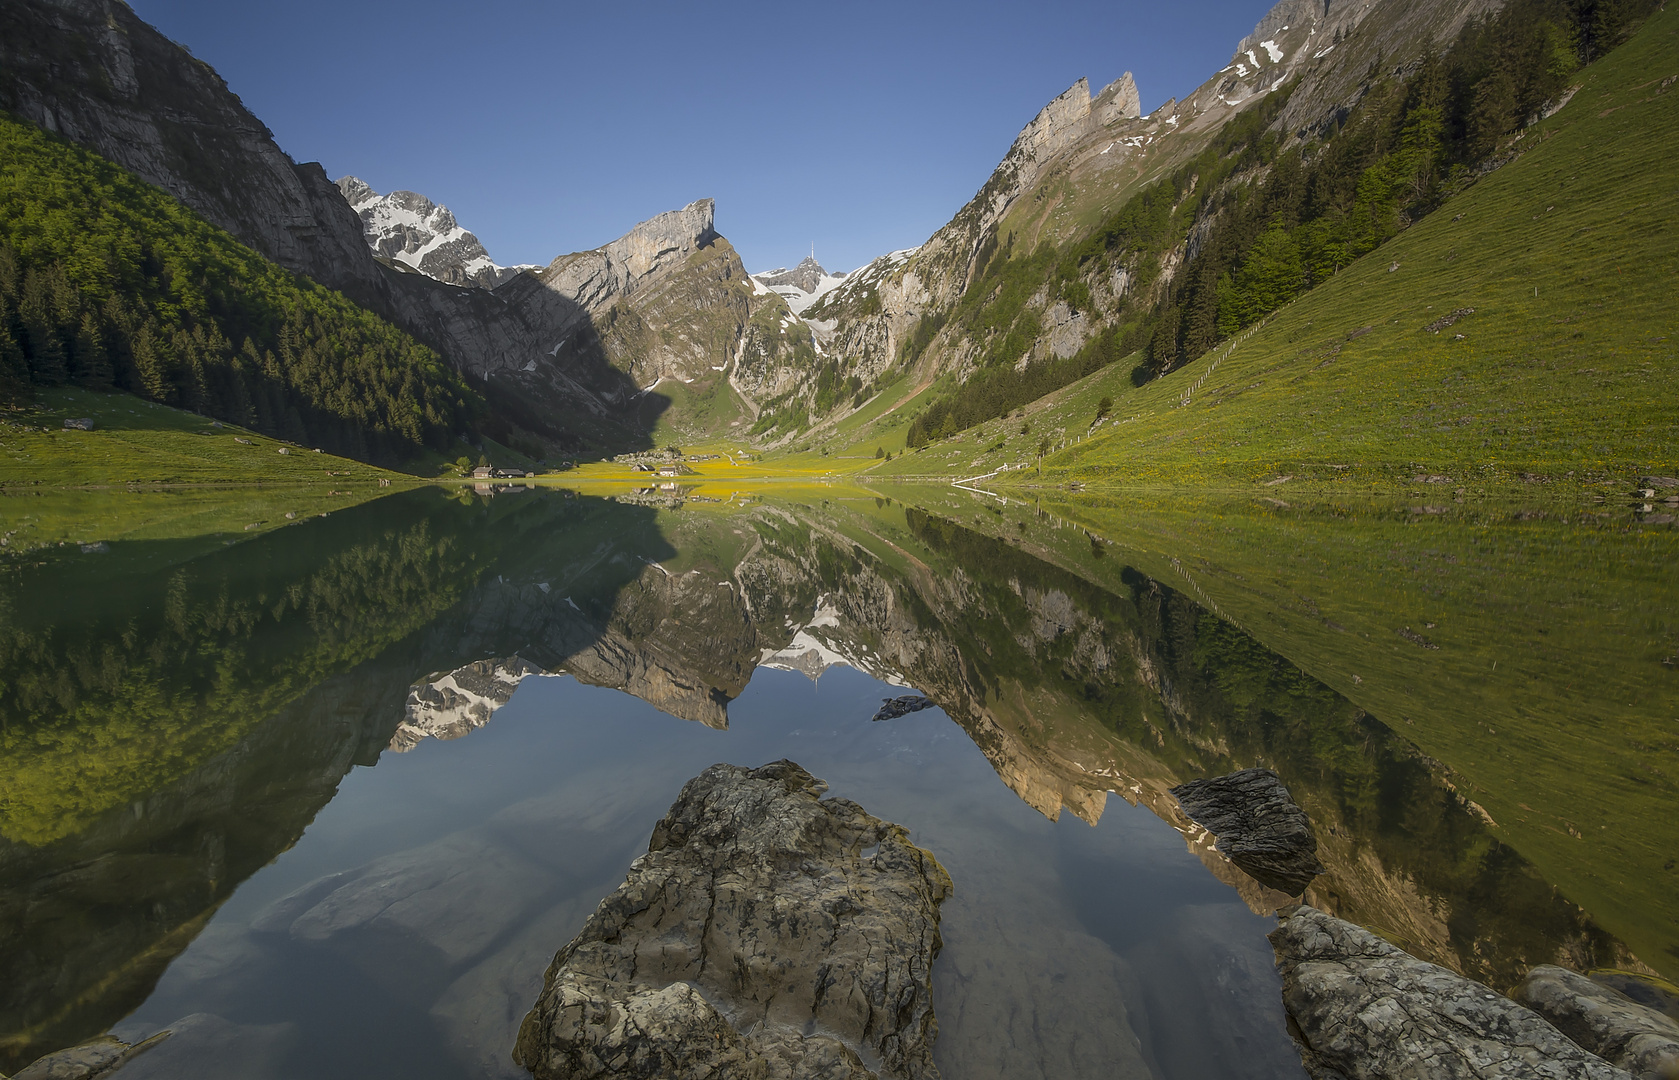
[1525,332]
[108,282]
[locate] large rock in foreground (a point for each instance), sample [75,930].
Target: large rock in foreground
[1361,1009]
[766,933]
[1604,1021]
[1258,826]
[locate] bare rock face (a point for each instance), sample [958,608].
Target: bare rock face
[806,276]
[408,228]
[97,1057]
[766,933]
[1259,828]
[1361,1009]
[1604,1021]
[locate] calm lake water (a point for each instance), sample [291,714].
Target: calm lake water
[326,798]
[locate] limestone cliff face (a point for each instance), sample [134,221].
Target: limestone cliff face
[408,229]
[1082,157]
[93,72]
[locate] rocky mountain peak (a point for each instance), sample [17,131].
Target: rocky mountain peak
[408,228]
[1118,100]
[806,277]
[1056,124]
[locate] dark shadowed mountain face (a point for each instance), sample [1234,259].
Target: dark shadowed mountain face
[568,356]
[174,737]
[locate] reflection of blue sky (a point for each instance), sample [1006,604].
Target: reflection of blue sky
[1070,950]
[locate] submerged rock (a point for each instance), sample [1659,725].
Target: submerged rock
[1361,1009]
[893,707]
[1259,827]
[1604,1021]
[766,933]
[97,1057]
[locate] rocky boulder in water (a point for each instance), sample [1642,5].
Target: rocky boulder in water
[766,933]
[1604,1021]
[1361,1009]
[1258,826]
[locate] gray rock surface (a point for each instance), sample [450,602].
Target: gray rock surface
[805,276]
[96,1057]
[204,1046]
[766,933]
[1259,828]
[408,228]
[1604,1021]
[1361,1009]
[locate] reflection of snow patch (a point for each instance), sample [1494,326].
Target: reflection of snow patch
[826,614]
[459,702]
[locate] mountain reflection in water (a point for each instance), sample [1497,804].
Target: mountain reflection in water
[168,735]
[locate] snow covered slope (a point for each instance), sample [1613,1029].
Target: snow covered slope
[801,286]
[409,228]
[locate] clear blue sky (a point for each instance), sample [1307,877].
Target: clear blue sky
[555,127]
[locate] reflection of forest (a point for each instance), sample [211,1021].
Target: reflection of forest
[166,736]
[171,735]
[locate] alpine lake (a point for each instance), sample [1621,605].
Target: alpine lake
[324,786]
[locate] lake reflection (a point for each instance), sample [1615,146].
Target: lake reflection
[185,831]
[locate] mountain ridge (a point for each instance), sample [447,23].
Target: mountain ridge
[408,228]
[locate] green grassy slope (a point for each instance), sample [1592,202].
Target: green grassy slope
[135,441]
[1569,364]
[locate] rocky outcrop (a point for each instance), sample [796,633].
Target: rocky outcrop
[97,1057]
[1361,1009]
[1604,1021]
[766,933]
[1259,828]
[805,277]
[408,228]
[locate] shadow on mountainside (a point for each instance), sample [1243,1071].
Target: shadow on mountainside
[101,77]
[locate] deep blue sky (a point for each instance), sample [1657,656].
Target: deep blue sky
[555,127]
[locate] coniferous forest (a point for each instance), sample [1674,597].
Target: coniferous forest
[108,283]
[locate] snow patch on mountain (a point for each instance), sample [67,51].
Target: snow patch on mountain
[408,228]
[801,286]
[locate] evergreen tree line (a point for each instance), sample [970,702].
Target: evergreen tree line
[1276,223]
[108,283]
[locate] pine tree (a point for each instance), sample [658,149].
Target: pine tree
[91,364]
[153,364]
[42,346]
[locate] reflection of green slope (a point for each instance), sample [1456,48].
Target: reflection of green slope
[1546,698]
[113,693]
[114,686]
[168,735]
[1073,688]
[209,517]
